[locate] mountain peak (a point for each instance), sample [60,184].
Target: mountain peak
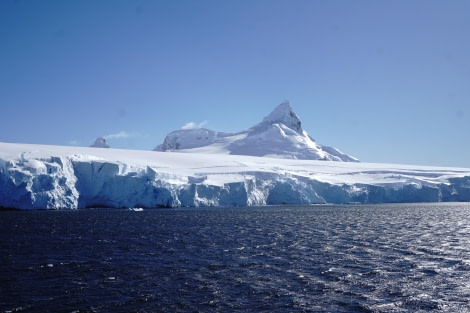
[279,135]
[284,114]
[100,142]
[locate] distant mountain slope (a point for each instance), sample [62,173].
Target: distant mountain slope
[279,135]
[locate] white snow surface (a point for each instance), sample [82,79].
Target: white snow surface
[53,177]
[279,135]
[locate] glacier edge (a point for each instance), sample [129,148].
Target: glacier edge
[74,178]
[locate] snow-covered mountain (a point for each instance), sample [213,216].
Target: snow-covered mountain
[45,177]
[100,142]
[279,135]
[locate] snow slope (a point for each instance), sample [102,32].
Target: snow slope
[279,135]
[39,176]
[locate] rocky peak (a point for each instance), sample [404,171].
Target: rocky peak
[284,114]
[100,142]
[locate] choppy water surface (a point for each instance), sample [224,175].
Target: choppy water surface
[377,258]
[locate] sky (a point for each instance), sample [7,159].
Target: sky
[383,81]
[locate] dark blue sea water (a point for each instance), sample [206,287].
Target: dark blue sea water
[372,258]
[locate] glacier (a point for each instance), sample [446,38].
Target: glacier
[67,177]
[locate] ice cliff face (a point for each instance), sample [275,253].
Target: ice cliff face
[46,177]
[28,183]
[279,135]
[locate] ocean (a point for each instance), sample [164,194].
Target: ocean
[321,258]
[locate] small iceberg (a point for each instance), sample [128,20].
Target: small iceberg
[136,209]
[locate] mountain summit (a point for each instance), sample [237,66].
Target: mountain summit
[284,114]
[100,142]
[279,135]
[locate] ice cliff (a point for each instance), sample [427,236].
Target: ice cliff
[47,177]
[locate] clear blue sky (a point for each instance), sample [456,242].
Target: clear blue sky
[384,81]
